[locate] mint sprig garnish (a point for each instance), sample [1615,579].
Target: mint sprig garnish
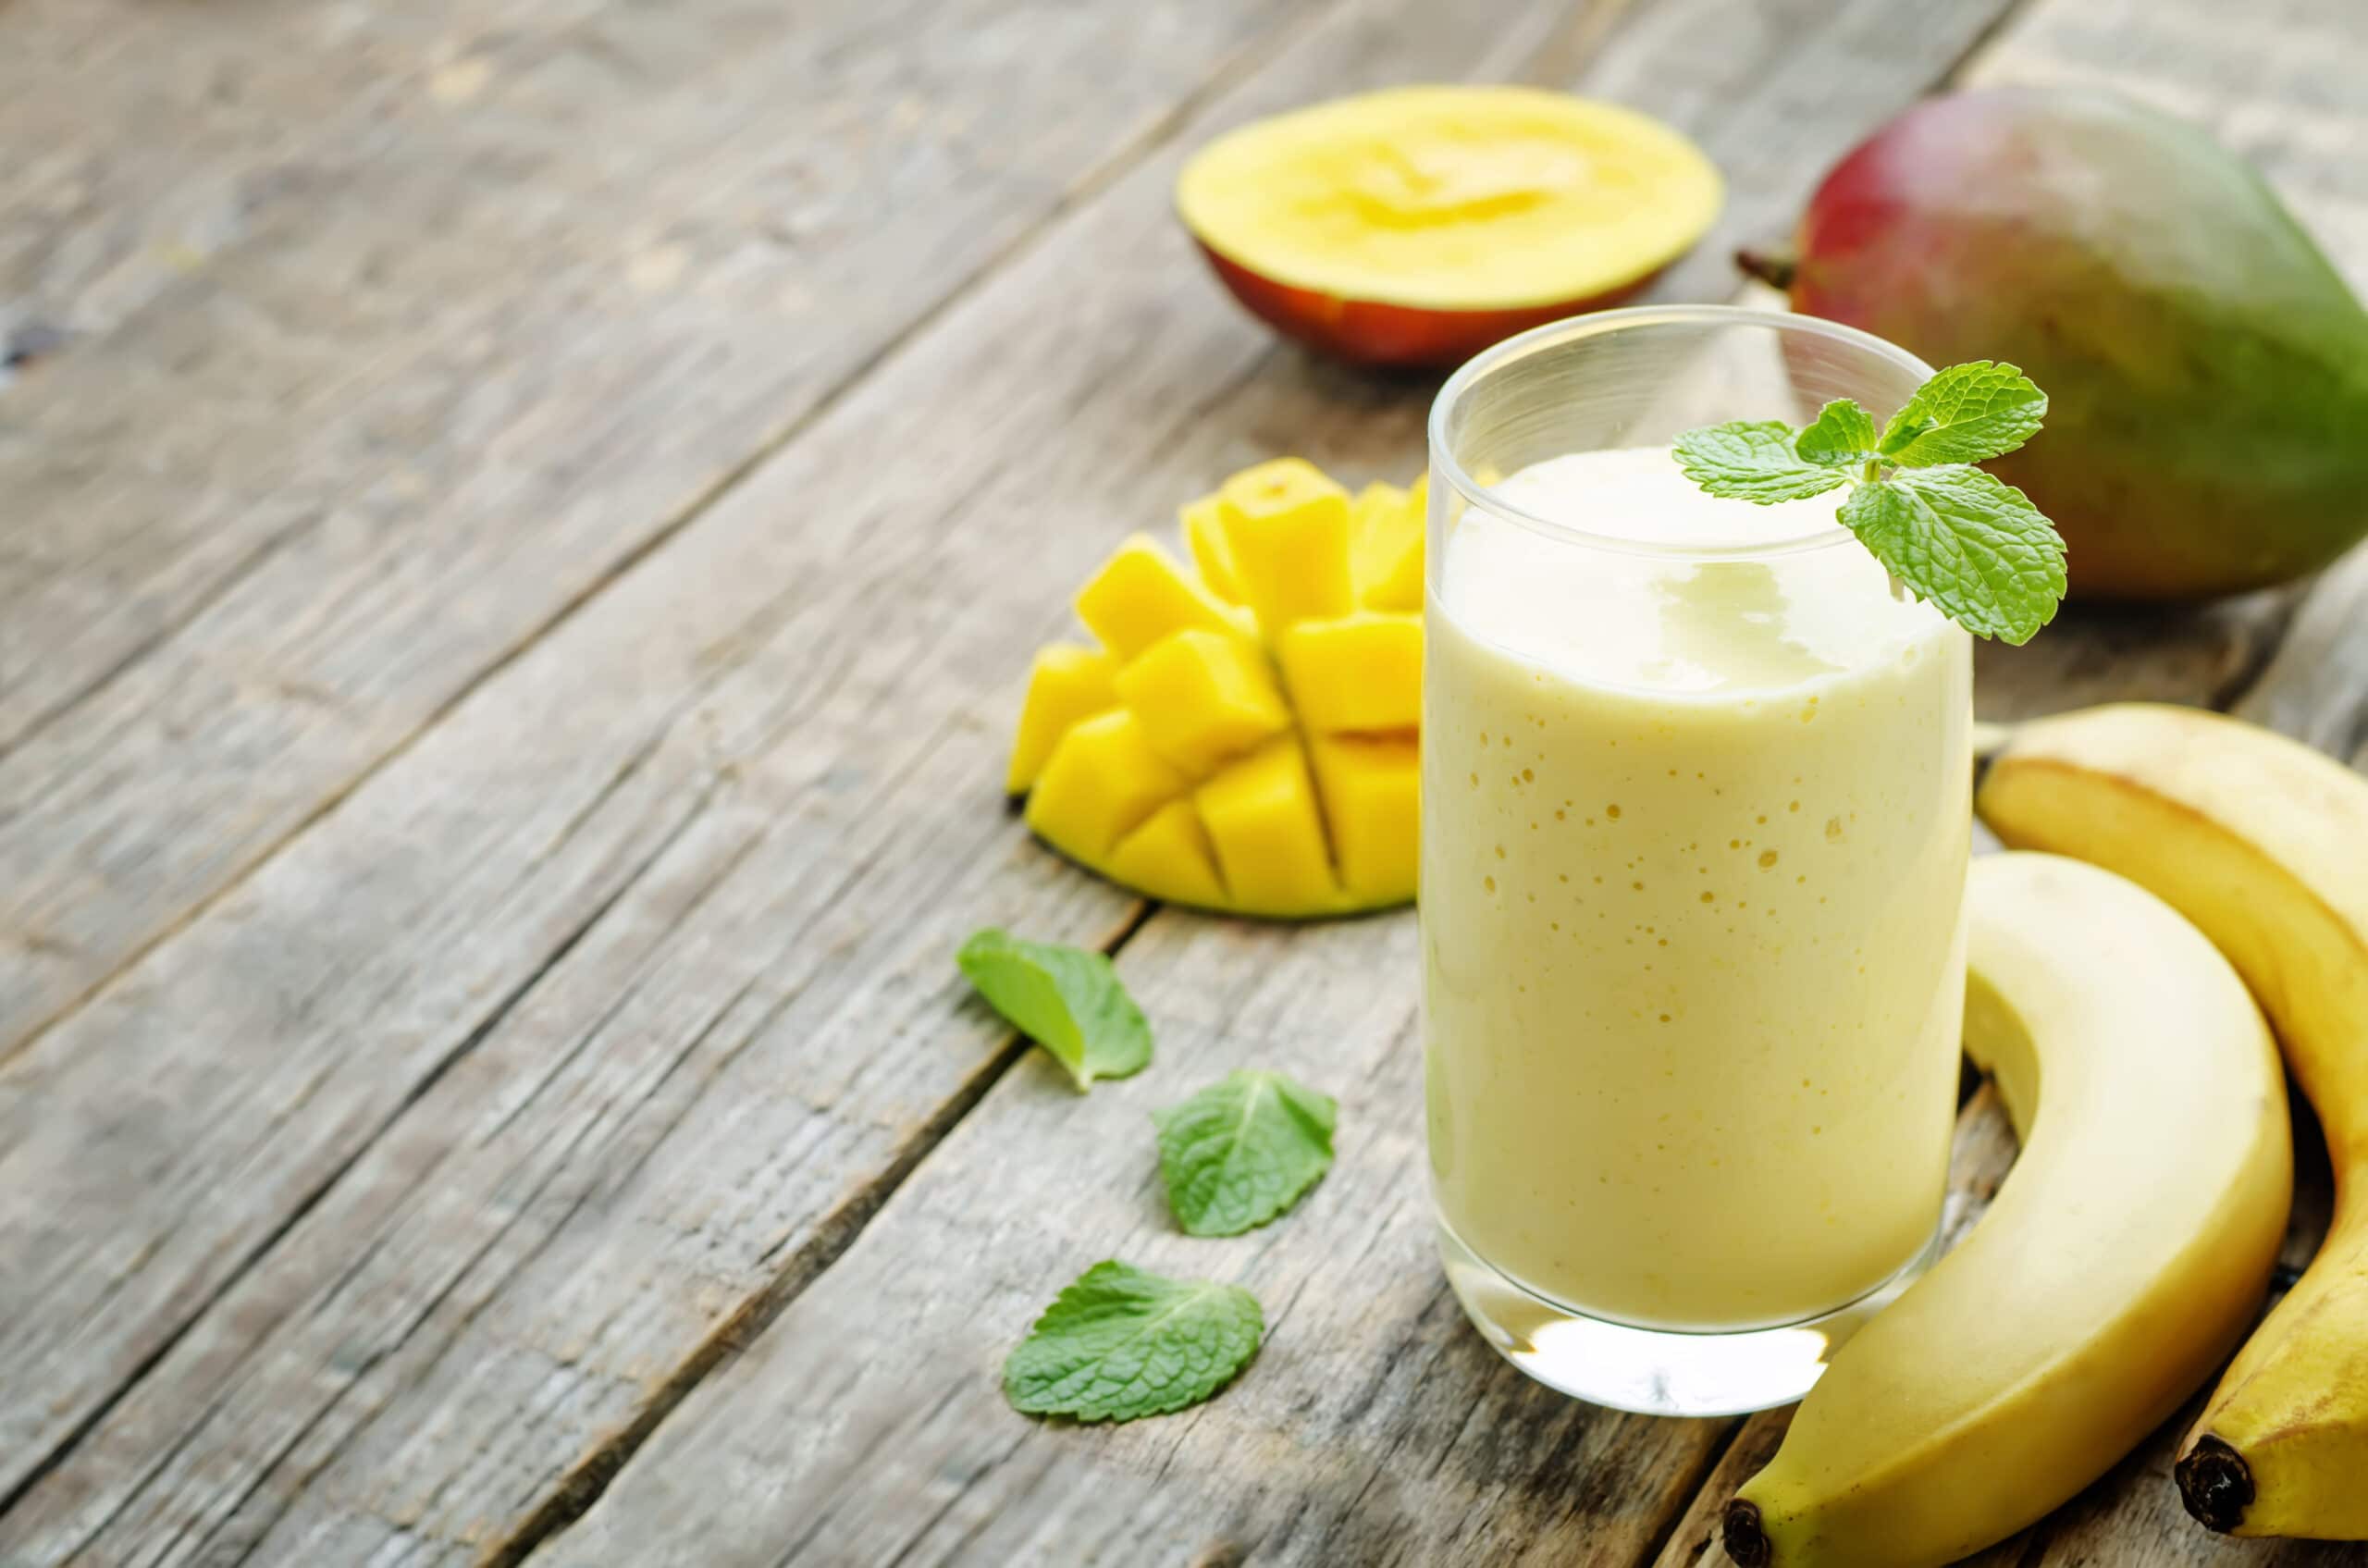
[1121,1343]
[1963,541]
[1068,1000]
[1242,1151]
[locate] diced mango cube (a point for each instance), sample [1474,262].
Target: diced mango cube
[1169,857]
[1262,817]
[1141,595]
[1103,780]
[1386,547]
[1287,534]
[1203,699]
[1204,534]
[1066,682]
[1360,671]
[1372,792]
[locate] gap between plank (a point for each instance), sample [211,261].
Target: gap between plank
[308,1201]
[1229,72]
[589,1476]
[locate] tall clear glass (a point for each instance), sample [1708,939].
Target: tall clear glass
[1696,820]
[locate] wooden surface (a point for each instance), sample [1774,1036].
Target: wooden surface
[524,521]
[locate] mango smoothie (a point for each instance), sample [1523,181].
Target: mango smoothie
[1696,826]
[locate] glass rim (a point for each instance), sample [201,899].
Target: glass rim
[1444,465]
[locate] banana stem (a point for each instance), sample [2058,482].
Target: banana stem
[2215,1484]
[1773,265]
[1745,1541]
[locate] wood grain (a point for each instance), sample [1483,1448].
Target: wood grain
[263,1050]
[442,318]
[573,1040]
[908,1455]
[555,1060]
[868,1424]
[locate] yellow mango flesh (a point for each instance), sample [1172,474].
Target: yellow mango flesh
[1141,596]
[1103,780]
[1386,563]
[1203,697]
[1263,818]
[1067,682]
[1287,534]
[1204,537]
[1371,788]
[1361,672]
[1452,198]
[1245,736]
[1171,857]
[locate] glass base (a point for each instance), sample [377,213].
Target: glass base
[1658,1371]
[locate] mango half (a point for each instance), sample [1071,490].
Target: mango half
[1419,225]
[1245,735]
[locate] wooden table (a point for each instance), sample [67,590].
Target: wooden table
[520,527]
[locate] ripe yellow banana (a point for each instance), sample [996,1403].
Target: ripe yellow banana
[2127,1252]
[2263,844]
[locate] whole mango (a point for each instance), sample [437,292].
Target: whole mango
[2206,368]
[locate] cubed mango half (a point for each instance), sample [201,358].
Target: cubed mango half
[1245,736]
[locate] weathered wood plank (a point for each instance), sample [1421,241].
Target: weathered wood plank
[1144,356]
[867,1416]
[644,947]
[231,1065]
[459,313]
[868,1424]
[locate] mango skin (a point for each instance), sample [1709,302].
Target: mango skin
[2206,368]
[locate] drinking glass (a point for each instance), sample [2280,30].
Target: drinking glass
[1695,829]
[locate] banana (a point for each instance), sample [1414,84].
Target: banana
[2263,844]
[2127,1252]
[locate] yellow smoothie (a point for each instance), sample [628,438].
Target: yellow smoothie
[1694,837]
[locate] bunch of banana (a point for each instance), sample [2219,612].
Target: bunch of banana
[2126,1253]
[2263,844]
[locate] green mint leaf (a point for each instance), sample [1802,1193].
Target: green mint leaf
[1119,1344]
[1843,436]
[1753,462]
[1066,999]
[1965,414]
[1969,544]
[1242,1151]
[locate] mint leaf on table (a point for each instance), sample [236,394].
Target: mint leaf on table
[1066,999]
[1120,1343]
[1242,1151]
[1752,462]
[1967,541]
[1962,540]
[1965,414]
[1843,436]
